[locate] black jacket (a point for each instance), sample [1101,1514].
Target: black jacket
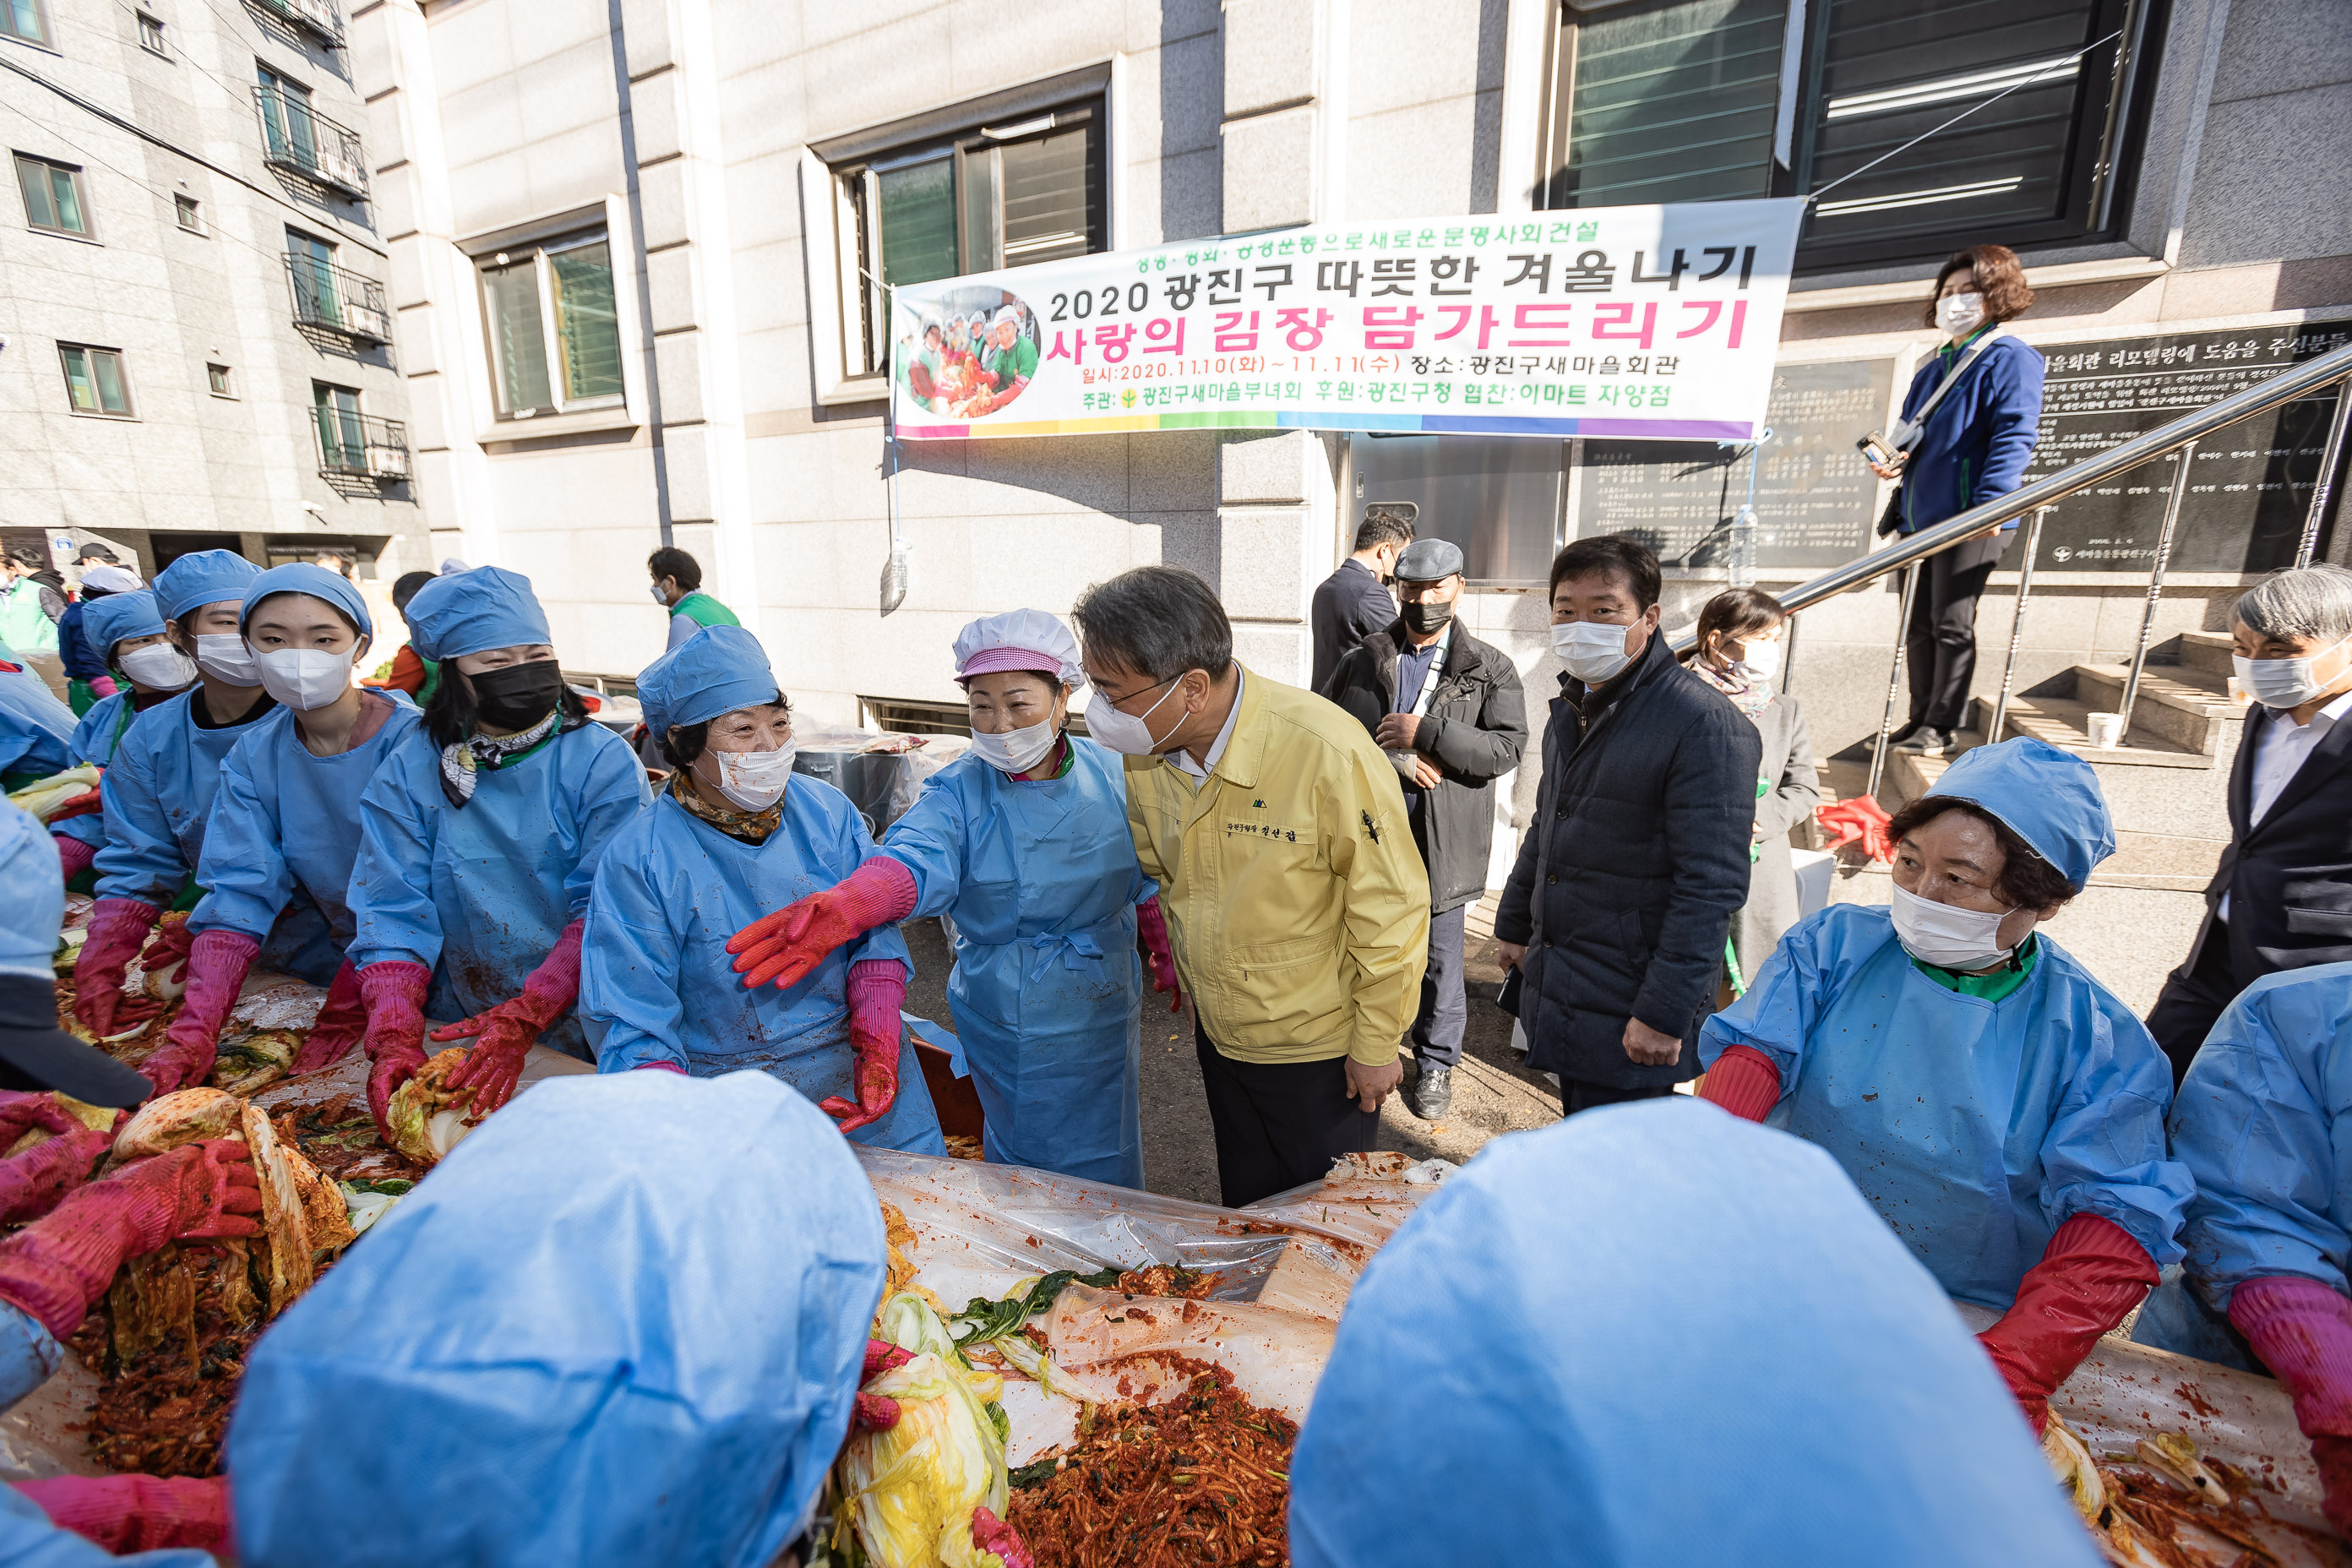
[1475,728]
[2289,876]
[1348,606]
[1639,852]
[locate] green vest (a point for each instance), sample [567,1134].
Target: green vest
[23,626]
[704,611]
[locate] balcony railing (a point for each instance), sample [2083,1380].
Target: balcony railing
[360,446]
[338,300]
[297,137]
[318,17]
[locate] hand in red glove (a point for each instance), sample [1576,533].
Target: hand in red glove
[395,993]
[2091,1275]
[20,1113]
[782,948]
[218,961]
[340,1023]
[55,1268]
[32,1182]
[990,1533]
[1152,925]
[504,1034]
[74,855]
[118,928]
[2302,1331]
[139,1513]
[1744,1082]
[878,991]
[166,955]
[877,1412]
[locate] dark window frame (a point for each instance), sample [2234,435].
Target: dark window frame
[88,233]
[129,409]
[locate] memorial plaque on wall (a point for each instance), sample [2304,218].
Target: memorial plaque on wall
[2250,483]
[1815,497]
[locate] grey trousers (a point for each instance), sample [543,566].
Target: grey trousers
[1436,1033]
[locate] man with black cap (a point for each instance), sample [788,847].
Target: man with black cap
[1448,710]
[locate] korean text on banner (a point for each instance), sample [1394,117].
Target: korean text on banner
[1654,322]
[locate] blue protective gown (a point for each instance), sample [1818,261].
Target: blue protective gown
[96,740]
[158,792]
[36,729]
[286,822]
[1041,880]
[1976,1128]
[656,975]
[2264,1121]
[479,896]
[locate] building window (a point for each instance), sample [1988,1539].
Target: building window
[964,191]
[554,332]
[151,35]
[24,19]
[94,380]
[53,195]
[1702,99]
[190,213]
[218,378]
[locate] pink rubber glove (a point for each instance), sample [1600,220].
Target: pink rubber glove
[990,1533]
[118,928]
[20,1113]
[2302,1331]
[2091,1275]
[342,1019]
[1743,1081]
[503,1036]
[1152,927]
[139,1513]
[55,1268]
[661,1067]
[167,953]
[877,1412]
[395,991]
[104,686]
[782,948]
[32,1182]
[878,991]
[75,857]
[218,961]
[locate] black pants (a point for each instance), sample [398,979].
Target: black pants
[1444,1012]
[1576,1095]
[1939,647]
[2193,999]
[1279,1124]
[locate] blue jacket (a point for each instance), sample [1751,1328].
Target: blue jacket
[74,650]
[1978,441]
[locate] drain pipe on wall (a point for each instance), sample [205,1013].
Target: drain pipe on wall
[651,372]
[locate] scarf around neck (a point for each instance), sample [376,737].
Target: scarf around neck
[1749,698]
[463,763]
[750,826]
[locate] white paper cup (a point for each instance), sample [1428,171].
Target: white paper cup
[2106,732]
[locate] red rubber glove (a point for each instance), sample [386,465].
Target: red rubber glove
[782,948]
[2091,1275]
[2302,1331]
[503,1036]
[990,1533]
[118,928]
[20,1113]
[341,1020]
[218,961]
[74,856]
[139,1513]
[32,1182]
[55,1268]
[1152,927]
[878,991]
[1743,1081]
[877,1412]
[394,992]
[90,803]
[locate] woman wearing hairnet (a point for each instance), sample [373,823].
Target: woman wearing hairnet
[2270,1229]
[734,834]
[288,817]
[2000,1108]
[479,838]
[1023,841]
[124,631]
[36,729]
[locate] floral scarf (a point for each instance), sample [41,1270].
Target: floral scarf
[750,826]
[1750,699]
[463,764]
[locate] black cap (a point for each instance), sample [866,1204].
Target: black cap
[96,552]
[35,1054]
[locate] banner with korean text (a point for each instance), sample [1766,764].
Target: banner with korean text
[1649,323]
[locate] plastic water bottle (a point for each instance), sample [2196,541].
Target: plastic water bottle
[1743,548]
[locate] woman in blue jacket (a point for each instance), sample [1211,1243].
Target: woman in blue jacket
[125,631]
[1968,444]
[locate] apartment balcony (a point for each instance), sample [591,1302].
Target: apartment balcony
[299,139]
[317,18]
[360,446]
[334,299]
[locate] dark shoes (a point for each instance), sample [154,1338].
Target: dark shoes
[1433,1093]
[1925,741]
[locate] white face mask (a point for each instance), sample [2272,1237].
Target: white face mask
[1948,936]
[306,677]
[223,657]
[159,667]
[2283,682]
[1957,315]
[660,597]
[753,780]
[1015,750]
[1758,662]
[1593,651]
[1124,733]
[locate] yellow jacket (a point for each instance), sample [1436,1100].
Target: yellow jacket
[1297,902]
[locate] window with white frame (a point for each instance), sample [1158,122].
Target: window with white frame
[26,19]
[555,329]
[94,380]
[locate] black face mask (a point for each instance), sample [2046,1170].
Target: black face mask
[517,696]
[1425,618]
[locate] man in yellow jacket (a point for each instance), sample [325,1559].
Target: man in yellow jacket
[1296,903]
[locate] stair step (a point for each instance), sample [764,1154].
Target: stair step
[2208,651]
[2065,722]
[2186,705]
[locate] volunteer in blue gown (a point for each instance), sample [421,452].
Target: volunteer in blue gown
[2003,1111]
[125,631]
[734,834]
[288,817]
[1647,1336]
[2269,1238]
[1023,843]
[479,838]
[36,729]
